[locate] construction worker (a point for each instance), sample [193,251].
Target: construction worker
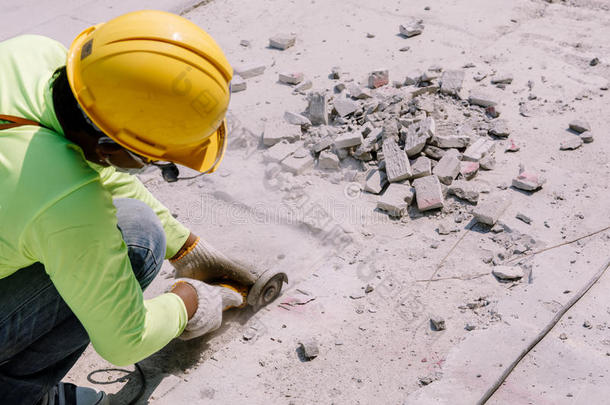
[80,237]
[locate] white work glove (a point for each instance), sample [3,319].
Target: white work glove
[211,302]
[205,263]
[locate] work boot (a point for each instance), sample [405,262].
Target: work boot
[70,394]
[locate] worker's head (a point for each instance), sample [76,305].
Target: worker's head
[153,86]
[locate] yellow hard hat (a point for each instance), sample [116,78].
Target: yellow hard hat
[155,83]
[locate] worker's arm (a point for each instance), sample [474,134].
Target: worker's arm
[123,185]
[77,240]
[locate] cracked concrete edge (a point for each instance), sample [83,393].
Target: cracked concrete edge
[65,19]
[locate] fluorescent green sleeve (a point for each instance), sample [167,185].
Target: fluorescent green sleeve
[85,256]
[123,185]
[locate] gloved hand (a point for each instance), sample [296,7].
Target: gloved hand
[211,302]
[205,263]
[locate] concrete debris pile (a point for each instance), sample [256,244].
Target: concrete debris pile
[419,140]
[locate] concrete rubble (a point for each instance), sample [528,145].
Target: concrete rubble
[282,41]
[309,349]
[508,273]
[428,193]
[411,28]
[277,131]
[489,211]
[396,199]
[528,181]
[249,70]
[291,77]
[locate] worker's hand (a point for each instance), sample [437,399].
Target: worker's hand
[211,301]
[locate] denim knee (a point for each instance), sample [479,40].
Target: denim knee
[145,238]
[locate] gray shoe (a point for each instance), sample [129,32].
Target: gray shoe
[70,394]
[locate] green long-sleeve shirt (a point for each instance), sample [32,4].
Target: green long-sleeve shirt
[56,208]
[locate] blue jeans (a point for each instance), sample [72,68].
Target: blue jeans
[40,337]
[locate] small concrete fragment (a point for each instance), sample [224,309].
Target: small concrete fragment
[309,349]
[499,127]
[238,84]
[428,193]
[282,41]
[479,149]
[397,164]
[508,273]
[522,217]
[437,323]
[528,181]
[335,73]
[587,137]
[414,141]
[318,108]
[411,28]
[502,79]
[301,88]
[280,151]
[480,98]
[249,70]
[421,167]
[328,161]
[396,199]
[277,131]
[297,165]
[488,162]
[323,144]
[451,82]
[433,152]
[296,119]
[464,190]
[348,139]
[447,168]
[450,141]
[378,78]
[344,106]
[570,143]
[291,77]
[376,180]
[580,126]
[358,92]
[469,169]
[489,211]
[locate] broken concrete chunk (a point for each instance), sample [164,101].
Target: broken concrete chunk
[280,151]
[378,78]
[414,141]
[447,168]
[508,273]
[296,119]
[318,108]
[434,152]
[328,161]
[489,211]
[580,126]
[411,28]
[238,84]
[358,92]
[249,70]
[437,322]
[421,167]
[478,97]
[376,180]
[521,216]
[450,141]
[395,199]
[451,82]
[479,149]
[348,140]
[587,137]
[282,41]
[528,181]
[306,85]
[464,190]
[488,162]
[298,165]
[291,77]
[570,143]
[397,164]
[469,169]
[335,73]
[309,349]
[344,106]
[323,144]
[428,193]
[276,131]
[502,79]
[499,127]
